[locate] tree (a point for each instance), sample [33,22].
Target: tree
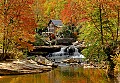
[100,32]
[46,10]
[18,25]
[70,13]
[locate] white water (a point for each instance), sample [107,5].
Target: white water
[65,53]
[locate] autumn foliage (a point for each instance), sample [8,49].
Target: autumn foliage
[20,18]
[74,12]
[17,24]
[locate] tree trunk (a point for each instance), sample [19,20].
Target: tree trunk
[4,37]
[110,53]
[118,25]
[100,10]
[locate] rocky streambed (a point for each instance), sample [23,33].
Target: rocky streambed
[16,67]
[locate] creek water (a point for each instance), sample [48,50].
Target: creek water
[64,73]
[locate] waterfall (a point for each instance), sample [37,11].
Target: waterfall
[66,52]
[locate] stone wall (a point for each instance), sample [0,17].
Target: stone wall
[64,41]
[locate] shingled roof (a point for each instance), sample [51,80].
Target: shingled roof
[57,23]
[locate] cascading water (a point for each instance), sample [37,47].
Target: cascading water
[58,56]
[66,52]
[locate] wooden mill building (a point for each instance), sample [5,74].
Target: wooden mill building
[53,25]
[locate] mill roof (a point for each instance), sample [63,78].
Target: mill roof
[57,23]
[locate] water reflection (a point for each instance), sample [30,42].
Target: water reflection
[65,74]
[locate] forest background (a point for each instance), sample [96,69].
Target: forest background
[99,21]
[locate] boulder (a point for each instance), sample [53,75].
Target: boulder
[71,60]
[25,66]
[43,61]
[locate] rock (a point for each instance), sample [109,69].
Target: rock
[25,66]
[64,41]
[71,49]
[31,61]
[88,66]
[71,60]
[43,61]
[75,43]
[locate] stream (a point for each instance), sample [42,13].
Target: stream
[64,73]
